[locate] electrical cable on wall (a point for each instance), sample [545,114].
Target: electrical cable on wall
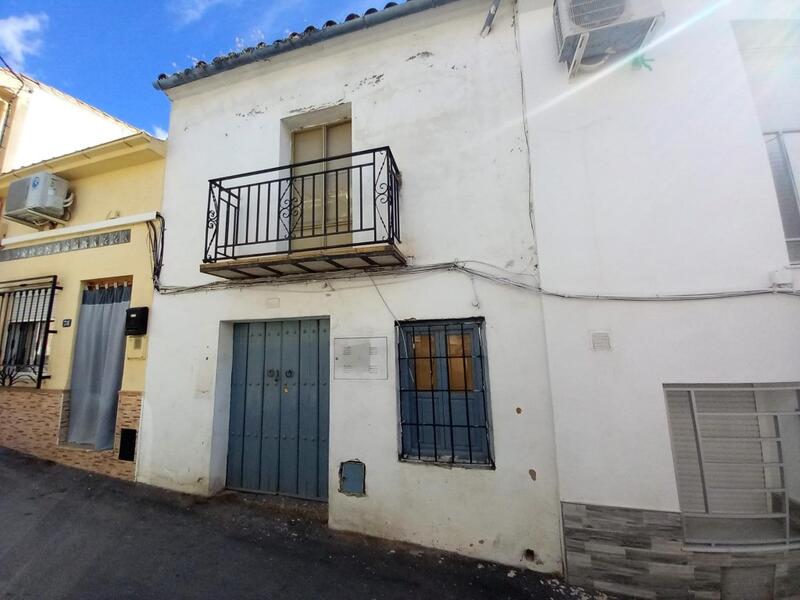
[502,277]
[155,242]
[525,124]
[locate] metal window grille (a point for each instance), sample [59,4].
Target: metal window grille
[785,170]
[26,308]
[737,462]
[444,414]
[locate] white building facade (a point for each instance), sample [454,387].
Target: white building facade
[38,122]
[498,344]
[681,412]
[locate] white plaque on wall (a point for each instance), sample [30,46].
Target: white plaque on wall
[360,358]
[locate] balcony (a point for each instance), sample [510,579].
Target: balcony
[313,217]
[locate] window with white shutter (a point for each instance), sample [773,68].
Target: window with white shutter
[737,462]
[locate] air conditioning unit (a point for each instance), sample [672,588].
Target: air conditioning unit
[38,200]
[589,32]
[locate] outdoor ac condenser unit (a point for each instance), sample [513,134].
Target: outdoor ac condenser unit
[37,200]
[589,32]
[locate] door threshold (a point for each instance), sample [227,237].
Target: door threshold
[307,508]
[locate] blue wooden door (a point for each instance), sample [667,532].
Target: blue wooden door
[278,434]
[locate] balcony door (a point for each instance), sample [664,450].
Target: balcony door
[321,214]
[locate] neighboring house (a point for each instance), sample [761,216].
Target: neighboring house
[38,122]
[72,364]
[676,417]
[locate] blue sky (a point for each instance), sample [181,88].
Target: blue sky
[108,52]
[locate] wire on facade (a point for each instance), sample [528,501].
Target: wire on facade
[525,125]
[12,71]
[155,242]
[462,267]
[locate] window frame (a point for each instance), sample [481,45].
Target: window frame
[19,312]
[787,164]
[476,449]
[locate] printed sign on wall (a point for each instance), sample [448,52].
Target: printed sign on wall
[360,358]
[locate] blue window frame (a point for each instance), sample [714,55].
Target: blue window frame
[444,410]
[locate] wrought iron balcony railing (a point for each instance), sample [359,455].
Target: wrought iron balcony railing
[336,202]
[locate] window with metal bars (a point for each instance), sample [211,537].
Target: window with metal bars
[737,461]
[26,307]
[444,404]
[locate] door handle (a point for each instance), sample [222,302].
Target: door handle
[289,373]
[271,373]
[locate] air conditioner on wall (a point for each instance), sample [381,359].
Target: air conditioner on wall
[38,200]
[589,32]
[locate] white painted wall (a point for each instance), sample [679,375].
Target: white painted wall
[46,123]
[644,183]
[769,51]
[448,103]
[652,183]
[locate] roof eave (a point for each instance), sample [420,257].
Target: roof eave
[283,46]
[129,145]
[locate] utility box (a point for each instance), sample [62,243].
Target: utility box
[136,320]
[136,347]
[590,32]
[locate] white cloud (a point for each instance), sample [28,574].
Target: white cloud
[159,132]
[21,36]
[189,11]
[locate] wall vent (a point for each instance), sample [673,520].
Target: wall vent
[601,341]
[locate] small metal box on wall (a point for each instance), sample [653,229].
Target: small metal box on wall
[135,328]
[136,347]
[136,320]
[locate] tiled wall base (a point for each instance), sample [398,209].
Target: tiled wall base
[35,422]
[639,554]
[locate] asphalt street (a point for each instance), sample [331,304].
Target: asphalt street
[65,534]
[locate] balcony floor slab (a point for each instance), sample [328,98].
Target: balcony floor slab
[308,262]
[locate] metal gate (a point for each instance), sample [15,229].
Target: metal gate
[278,434]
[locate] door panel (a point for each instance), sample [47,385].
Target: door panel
[337,202]
[307,410]
[253,393]
[322,213]
[238,387]
[278,439]
[324,357]
[288,417]
[271,425]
